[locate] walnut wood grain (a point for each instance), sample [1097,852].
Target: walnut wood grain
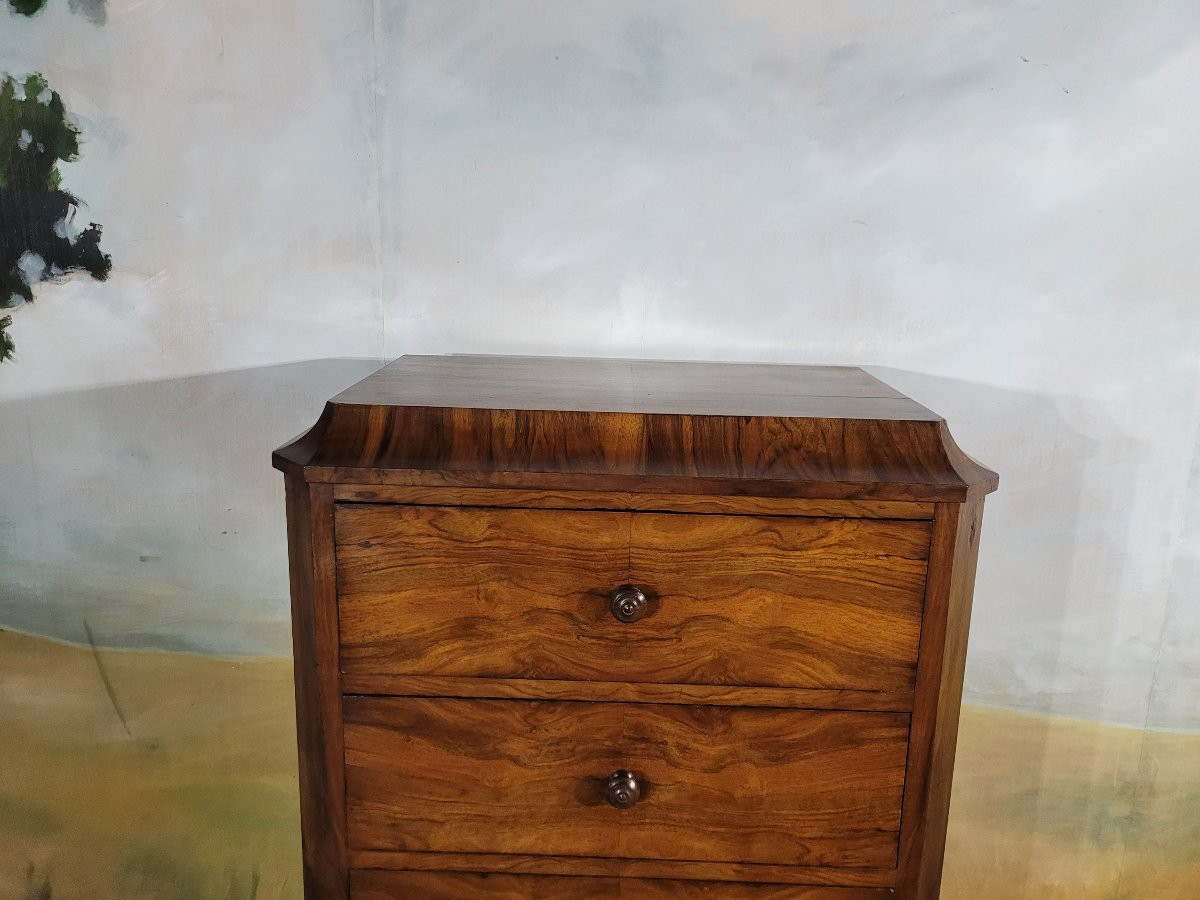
[383,885]
[816,534]
[735,600]
[720,783]
[591,484]
[318,691]
[616,867]
[435,495]
[625,692]
[824,433]
[566,384]
[954,552]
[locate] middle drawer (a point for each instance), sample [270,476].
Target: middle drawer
[725,784]
[770,601]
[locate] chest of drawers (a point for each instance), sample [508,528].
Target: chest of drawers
[608,628]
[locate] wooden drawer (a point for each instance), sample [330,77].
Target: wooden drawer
[718,783]
[772,601]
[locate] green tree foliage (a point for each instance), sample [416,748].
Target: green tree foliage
[96,10]
[38,240]
[27,7]
[6,344]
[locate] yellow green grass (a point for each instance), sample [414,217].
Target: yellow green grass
[195,795]
[1048,807]
[196,800]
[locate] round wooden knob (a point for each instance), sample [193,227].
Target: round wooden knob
[627,604]
[622,789]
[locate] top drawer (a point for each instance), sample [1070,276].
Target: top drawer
[730,600]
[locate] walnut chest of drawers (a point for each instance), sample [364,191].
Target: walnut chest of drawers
[608,628]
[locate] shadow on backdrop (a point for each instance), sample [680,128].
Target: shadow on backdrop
[151,510]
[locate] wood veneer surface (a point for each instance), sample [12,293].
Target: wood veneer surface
[802,431]
[721,783]
[384,885]
[734,600]
[807,538]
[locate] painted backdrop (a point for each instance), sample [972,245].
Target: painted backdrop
[990,205]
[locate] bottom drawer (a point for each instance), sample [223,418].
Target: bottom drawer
[791,787]
[379,885]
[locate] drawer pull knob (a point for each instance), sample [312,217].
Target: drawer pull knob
[623,789]
[627,604]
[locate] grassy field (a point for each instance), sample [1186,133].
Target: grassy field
[193,796]
[186,789]
[1056,809]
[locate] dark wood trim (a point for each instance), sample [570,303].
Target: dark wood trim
[441,495]
[632,868]
[381,884]
[623,692]
[940,664]
[318,689]
[897,491]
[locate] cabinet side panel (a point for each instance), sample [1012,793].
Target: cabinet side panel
[318,694]
[953,552]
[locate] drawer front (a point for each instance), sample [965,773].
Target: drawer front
[723,784]
[770,601]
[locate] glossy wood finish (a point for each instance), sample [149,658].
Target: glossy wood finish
[565,384]
[624,692]
[434,495]
[954,552]
[763,491]
[719,783]
[590,484]
[734,600]
[616,867]
[369,884]
[622,425]
[318,690]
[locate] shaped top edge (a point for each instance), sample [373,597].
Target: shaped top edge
[828,431]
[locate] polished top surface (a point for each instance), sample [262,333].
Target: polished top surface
[633,386]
